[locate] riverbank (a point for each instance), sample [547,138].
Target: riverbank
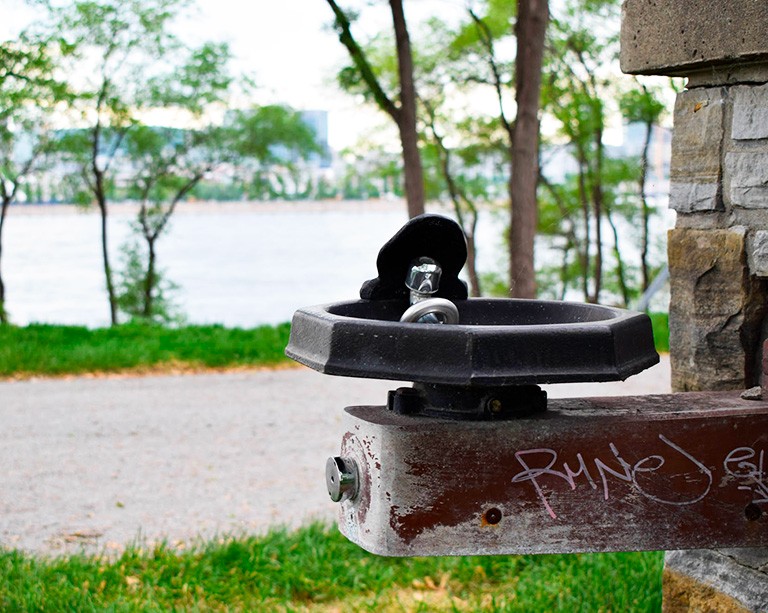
[55,351]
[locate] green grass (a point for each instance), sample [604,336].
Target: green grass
[315,568]
[55,350]
[660,323]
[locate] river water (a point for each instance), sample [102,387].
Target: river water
[238,264]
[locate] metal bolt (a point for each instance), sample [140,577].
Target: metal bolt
[495,406]
[341,478]
[423,278]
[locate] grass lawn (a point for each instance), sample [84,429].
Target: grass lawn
[40,349]
[660,323]
[316,569]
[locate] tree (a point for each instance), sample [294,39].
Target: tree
[452,149]
[402,113]
[530,30]
[266,144]
[575,94]
[463,203]
[478,44]
[166,164]
[28,92]
[642,105]
[119,44]
[593,213]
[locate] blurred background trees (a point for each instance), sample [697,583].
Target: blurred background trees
[514,106]
[586,199]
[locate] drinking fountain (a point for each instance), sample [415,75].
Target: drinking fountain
[472,459]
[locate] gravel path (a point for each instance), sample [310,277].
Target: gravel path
[95,464]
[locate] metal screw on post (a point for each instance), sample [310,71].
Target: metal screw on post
[341,478]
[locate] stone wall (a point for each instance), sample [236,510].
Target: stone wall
[718,251]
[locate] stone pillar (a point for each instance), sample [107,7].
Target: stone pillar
[718,250]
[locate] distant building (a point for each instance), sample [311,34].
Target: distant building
[318,121]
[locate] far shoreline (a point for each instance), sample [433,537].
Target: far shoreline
[230,206]
[202,207]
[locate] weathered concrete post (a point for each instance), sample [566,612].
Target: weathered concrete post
[718,251]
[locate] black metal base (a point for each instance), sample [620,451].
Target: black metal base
[468,403]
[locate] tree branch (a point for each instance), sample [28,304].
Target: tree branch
[487,39]
[361,63]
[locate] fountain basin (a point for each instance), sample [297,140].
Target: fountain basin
[497,342]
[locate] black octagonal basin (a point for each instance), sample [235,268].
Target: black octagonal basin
[497,342]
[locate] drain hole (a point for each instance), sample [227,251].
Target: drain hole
[753,512]
[493,516]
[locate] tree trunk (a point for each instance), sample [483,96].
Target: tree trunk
[620,273]
[532,17]
[150,280]
[646,209]
[406,121]
[459,199]
[403,115]
[3,213]
[474,279]
[597,204]
[564,269]
[584,202]
[100,193]
[107,267]
[101,200]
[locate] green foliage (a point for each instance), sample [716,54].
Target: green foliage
[40,349]
[498,16]
[595,217]
[29,93]
[143,299]
[660,323]
[316,567]
[270,134]
[217,191]
[200,81]
[642,104]
[382,60]
[494,284]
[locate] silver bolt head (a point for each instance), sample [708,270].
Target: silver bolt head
[341,478]
[423,276]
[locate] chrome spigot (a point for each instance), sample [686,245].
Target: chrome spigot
[423,280]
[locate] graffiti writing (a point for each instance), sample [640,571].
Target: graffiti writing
[748,468]
[685,481]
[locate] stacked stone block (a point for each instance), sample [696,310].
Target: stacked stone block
[718,251]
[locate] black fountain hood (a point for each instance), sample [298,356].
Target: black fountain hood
[496,342]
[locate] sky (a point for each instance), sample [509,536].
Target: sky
[288,46]
[294,53]
[290,49]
